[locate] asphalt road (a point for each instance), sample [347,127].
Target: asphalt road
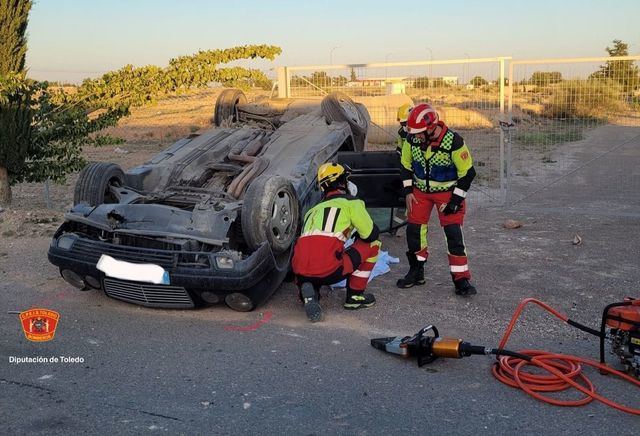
[194,372]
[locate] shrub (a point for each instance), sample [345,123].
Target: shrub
[588,99]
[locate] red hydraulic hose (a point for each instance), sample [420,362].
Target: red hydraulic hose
[563,371]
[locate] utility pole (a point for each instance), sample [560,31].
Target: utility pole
[331,54]
[466,74]
[430,66]
[386,70]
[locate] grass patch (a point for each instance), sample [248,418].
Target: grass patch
[549,137]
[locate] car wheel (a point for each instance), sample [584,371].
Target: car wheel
[270,212]
[361,140]
[94,182]
[338,106]
[227,106]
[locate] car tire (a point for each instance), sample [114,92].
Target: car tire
[92,186]
[227,106]
[270,213]
[361,140]
[338,106]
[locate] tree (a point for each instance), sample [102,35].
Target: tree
[15,97]
[544,78]
[339,81]
[41,129]
[14,16]
[320,78]
[479,81]
[438,82]
[622,71]
[353,77]
[45,140]
[421,82]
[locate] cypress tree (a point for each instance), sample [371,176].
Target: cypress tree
[15,96]
[14,15]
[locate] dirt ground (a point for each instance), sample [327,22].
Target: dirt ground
[174,367]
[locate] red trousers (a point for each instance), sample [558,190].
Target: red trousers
[355,264]
[417,229]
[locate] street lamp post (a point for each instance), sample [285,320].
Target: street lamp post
[465,78]
[331,54]
[386,69]
[430,66]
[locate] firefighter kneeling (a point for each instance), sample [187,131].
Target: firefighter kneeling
[319,256]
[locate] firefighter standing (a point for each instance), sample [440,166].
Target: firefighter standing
[438,171]
[320,257]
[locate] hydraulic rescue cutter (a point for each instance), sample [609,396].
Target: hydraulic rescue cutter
[620,327]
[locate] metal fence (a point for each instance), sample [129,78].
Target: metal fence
[519,118]
[556,106]
[469,95]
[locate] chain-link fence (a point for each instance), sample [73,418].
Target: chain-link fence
[525,126]
[468,94]
[556,106]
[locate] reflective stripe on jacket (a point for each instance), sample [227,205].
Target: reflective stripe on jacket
[319,249]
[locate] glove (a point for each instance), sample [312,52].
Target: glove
[453,206]
[402,132]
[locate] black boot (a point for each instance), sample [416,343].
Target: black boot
[310,297]
[464,288]
[358,300]
[415,276]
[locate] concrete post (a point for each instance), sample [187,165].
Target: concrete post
[284,83]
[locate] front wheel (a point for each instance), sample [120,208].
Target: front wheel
[270,213]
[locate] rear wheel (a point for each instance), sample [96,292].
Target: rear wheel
[338,106]
[95,182]
[226,109]
[270,213]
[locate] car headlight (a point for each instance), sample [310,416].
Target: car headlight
[65,242]
[224,262]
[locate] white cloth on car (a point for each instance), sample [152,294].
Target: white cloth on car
[139,272]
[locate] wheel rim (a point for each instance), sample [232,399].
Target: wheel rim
[352,112]
[281,217]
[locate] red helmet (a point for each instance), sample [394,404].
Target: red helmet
[422,117]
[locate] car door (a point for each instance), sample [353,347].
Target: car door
[378,176]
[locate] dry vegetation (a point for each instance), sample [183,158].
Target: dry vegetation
[169,119]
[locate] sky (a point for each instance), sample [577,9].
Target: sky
[72,39]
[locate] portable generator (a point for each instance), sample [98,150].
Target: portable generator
[621,328]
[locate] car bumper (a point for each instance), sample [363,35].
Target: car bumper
[188,284]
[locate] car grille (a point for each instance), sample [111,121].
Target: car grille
[148,294]
[92,250]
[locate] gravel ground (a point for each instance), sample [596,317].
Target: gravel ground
[147,370]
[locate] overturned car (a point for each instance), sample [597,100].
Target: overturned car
[215,215]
